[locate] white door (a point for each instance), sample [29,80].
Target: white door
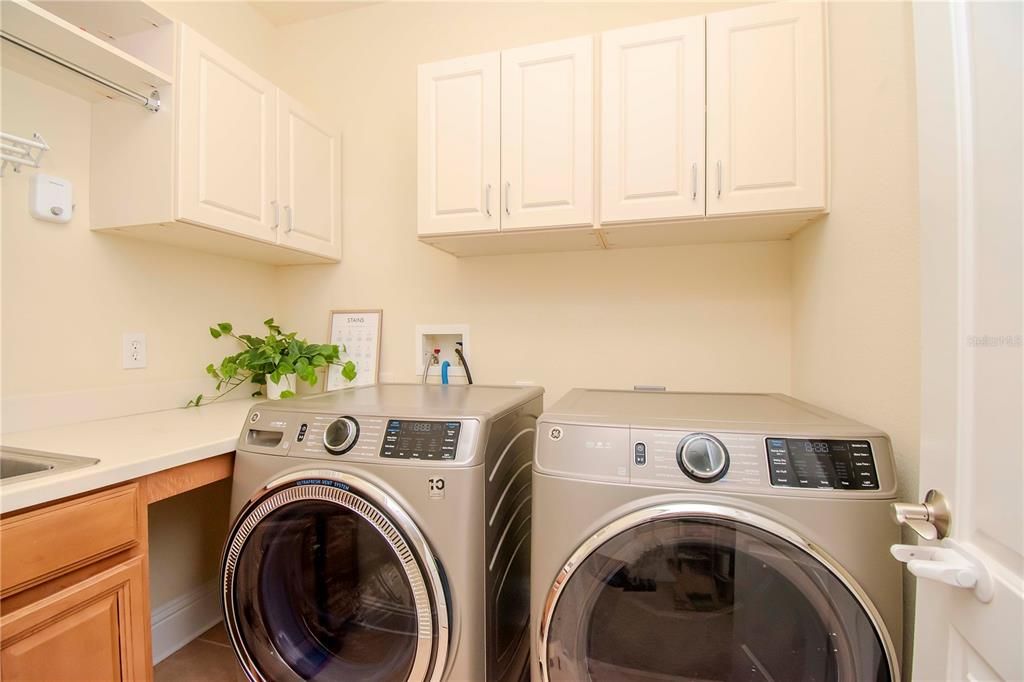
[459,122]
[309,181]
[969,145]
[652,121]
[766,108]
[227,154]
[547,135]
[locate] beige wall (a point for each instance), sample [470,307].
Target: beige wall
[692,318]
[856,320]
[856,299]
[68,294]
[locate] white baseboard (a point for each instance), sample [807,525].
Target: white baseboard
[184,618]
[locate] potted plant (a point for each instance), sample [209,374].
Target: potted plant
[273,361]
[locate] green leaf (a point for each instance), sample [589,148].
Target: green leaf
[215,333]
[225,327]
[269,321]
[287,394]
[348,370]
[319,361]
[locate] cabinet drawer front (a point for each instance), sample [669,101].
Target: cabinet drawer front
[48,542]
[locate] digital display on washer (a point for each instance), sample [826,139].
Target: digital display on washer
[405,439]
[807,463]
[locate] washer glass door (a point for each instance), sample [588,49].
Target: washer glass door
[700,598]
[321,585]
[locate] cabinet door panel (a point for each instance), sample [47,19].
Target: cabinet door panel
[766,109]
[459,145]
[547,134]
[310,181]
[227,155]
[94,630]
[652,133]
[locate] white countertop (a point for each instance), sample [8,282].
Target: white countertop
[126,447]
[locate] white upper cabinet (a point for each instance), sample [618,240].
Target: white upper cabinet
[766,92]
[547,135]
[652,115]
[227,169]
[459,145]
[230,164]
[710,129]
[308,209]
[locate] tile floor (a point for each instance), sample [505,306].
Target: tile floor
[206,659]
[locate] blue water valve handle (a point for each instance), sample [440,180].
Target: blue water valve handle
[444,371]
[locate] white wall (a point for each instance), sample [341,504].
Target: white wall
[692,318]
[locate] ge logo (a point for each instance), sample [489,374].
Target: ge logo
[435,488]
[555,433]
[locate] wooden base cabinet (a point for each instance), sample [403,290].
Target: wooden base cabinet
[75,589]
[93,630]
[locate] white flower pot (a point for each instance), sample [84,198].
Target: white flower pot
[287,383]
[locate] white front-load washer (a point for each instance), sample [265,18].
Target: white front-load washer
[383,533]
[685,536]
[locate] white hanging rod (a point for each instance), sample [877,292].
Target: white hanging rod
[152,102]
[19,151]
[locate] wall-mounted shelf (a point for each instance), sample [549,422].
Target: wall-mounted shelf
[20,151]
[129,60]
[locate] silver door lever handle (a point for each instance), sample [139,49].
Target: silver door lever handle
[930,520]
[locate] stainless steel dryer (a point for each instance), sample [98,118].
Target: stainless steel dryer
[383,533]
[712,537]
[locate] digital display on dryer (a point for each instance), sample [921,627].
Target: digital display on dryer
[821,463]
[430,440]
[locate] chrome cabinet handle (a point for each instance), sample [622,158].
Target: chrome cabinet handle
[719,179]
[508,209]
[695,182]
[277,214]
[487,200]
[291,219]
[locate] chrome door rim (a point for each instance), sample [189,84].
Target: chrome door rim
[678,510]
[387,516]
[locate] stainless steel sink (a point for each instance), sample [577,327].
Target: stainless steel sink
[23,464]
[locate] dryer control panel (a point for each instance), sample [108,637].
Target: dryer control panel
[821,463]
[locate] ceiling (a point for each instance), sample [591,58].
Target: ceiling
[281,12]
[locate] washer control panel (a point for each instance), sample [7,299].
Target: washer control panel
[395,440]
[821,463]
[430,440]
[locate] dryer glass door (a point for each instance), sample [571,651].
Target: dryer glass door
[700,598]
[321,585]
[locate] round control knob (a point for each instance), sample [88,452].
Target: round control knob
[341,435]
[702,457]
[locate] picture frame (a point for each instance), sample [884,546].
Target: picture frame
[357,333]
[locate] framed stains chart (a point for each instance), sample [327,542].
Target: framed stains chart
[357,333]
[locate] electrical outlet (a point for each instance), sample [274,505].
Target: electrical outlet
[133,350]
